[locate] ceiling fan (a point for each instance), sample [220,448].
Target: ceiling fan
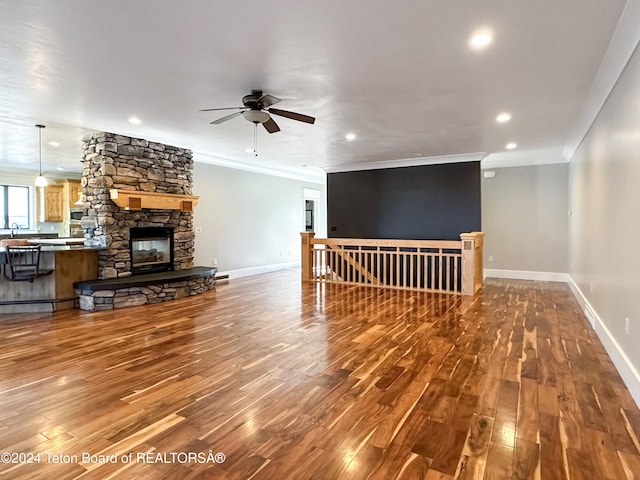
[256,109]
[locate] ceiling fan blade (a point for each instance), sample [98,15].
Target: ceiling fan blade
[292,115]
[267,100]
[227,108]
[224,119]
[271,126]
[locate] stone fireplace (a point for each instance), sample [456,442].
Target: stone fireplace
[138,206]
[117,162]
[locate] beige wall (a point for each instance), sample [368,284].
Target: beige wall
[604,228]
[524,218]
[249,219]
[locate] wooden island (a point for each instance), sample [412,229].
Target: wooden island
[70,263]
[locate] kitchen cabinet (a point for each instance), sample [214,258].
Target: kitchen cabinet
[75,191]
[52,204]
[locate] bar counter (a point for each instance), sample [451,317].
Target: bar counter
[70,263]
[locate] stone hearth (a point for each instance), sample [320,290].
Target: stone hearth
[143,289]
[117,161]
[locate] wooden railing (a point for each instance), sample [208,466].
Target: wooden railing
[430,265]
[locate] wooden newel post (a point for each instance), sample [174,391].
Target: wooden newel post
[307,255]
[471,262]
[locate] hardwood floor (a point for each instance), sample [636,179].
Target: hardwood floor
[330,382]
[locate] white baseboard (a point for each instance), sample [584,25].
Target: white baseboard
[627,371]
[245,272]
[526,275]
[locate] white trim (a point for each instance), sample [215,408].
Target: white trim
[526,275]
[308,174]
[311,194]
[406,162]
[621,48]
[27,176]
[523,158]
[626,369]
[245,272]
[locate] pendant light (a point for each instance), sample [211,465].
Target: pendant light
[41,181]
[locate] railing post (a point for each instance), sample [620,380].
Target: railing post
[471,262]
[479,276]
[307,255]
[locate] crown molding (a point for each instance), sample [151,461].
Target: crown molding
[621,47]
[523,158]
[307,174]
[405,162]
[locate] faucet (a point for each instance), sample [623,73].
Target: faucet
[16,226]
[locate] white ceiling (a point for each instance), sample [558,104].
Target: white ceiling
[400,75]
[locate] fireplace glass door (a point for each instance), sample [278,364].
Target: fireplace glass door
[151,249]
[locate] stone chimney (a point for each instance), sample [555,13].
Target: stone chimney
[118,162]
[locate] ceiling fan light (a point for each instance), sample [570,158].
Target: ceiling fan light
[256,116]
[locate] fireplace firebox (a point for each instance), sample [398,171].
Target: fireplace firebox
[151,249]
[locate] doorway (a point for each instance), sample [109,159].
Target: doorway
[309,215]
[312,218]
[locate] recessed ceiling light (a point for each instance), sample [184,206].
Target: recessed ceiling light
[350,136]
[135,121]
[54,144]
[480,40]
[60,168]
[503,117]
[511,146]
[248,150]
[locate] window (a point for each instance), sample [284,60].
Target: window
[14,207]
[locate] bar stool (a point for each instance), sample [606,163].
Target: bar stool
[23,264]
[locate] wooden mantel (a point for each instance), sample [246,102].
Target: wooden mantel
[137,200]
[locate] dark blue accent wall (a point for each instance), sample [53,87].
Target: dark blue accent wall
[430,202]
